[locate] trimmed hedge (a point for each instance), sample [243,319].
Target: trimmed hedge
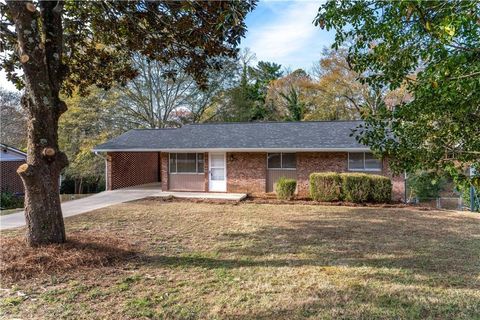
[356,187]
[285,188]
[326,186]
[351,187]
[381,189]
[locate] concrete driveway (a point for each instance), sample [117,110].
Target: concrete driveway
[110,198]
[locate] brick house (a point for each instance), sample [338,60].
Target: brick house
[239,157]
[10,159]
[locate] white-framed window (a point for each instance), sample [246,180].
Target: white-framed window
[363,161]
[282,161]
[186,163]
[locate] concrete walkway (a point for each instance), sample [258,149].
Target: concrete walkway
[110,198]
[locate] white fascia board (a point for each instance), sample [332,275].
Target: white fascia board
[365,149]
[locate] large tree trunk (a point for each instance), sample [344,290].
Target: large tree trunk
[39,36]
[40,177]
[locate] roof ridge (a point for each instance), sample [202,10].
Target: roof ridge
[266,122]
[140,129]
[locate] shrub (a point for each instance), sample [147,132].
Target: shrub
[425,184]
[356,187]
[9,200]
[325,186]
[352,187]
[380,189]
[285,188]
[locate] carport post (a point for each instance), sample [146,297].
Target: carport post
[472,191]
[472,198]
[106,168]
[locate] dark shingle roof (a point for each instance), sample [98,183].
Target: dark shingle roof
[247,135]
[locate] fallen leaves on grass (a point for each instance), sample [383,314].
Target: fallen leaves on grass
[169,199]
[81,251]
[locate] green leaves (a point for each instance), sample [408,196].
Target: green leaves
[432,48]
[100,37]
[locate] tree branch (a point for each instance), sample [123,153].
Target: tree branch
[466,76]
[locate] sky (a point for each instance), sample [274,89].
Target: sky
[278,31]
[283,32]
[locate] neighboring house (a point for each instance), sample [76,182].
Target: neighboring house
[239,157]
[10,159]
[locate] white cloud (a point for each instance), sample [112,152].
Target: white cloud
[6,84]
[287,35]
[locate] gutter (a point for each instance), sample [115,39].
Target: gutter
[235,150]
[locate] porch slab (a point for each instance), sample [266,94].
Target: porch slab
[155,190]
[204,195]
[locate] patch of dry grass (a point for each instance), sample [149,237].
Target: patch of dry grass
[83,250]
[261,261]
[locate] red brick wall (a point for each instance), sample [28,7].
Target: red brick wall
[126,169]
[9,179]
[246,172]
[398,182]
[308,162]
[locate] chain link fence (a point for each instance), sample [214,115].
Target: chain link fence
[449,203]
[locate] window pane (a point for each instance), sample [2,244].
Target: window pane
[371,162]
[217,174]
[217,160]
[172,166]
[274,161]
[355,161]
[200,165]
[186,162]
[289,160]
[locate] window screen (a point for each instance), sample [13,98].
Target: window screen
[289,160]
[355,161]
[282,161]
[372,163]
[173,163]
[186,163]
[274,161]
[363,161]
[200,163]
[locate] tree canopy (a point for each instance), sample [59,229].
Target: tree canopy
[68,46]
[433,49]
[99,37]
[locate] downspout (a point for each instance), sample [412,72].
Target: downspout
[106,168]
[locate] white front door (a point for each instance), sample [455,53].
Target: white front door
[217,172]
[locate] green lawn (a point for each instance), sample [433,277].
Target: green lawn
[254,261]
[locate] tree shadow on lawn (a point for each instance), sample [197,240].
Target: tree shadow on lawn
[337,304]
[407,247]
